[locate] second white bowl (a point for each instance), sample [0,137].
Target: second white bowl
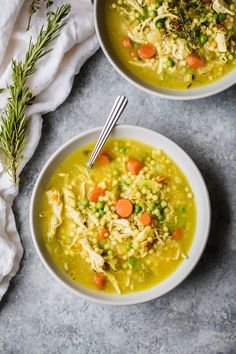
[191,94]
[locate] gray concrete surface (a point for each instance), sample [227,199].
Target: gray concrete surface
[40,316]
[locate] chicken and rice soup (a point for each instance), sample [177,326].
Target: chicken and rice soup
[176,44]
[125,224]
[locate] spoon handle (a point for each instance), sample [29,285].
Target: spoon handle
[115,114]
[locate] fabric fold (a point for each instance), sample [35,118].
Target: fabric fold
[51,85]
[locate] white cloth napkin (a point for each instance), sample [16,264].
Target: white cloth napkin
[51,84]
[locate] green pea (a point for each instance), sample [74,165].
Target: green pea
[158,4]
[221,17]
[170,63]
[128,246]
[160,24]
[102,212]
[153,207]
[182,210]
[123,149]
[161,217]
[215,17]
[160,207]
[203,39]
[136,45]
[99,205]
[137,208]
[152,14]
[141,19]
[85,202]
[132,261]
[124,184]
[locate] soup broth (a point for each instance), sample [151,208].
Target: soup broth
[122,226]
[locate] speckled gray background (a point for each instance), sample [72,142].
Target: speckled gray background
[39,316]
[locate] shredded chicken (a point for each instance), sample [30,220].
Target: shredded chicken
[180,50]
[120,229]
[70,206]
[221,42]
[221,7]
[113,280]
[97,263]
[135,4]
[54,199]
[141,238]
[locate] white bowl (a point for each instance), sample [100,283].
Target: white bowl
[201,198]
[191,94]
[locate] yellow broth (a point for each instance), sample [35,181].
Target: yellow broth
[174,73]
[171,207]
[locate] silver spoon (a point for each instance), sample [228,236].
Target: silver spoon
[115,114]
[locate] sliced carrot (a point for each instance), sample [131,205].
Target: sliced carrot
[194,61]
[127,42]
[100,281]
[177,233]
[145,219]
[95,194]
[147,51]
[54,197]
[124,208]
[77,246]
[134,166]
[162,179]
[103,159]
[103,233]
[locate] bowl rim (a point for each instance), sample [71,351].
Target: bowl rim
[196,96]
[111,300]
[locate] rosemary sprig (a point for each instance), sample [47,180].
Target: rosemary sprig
[34,7]
[14,121]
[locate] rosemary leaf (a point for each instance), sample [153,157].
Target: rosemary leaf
[34,7]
